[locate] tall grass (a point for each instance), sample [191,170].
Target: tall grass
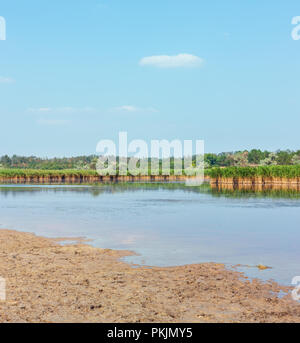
[262,171]
[10,173]
[232,172]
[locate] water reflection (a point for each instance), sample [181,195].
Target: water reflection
[167,224]
[268,191]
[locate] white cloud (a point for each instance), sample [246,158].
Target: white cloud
[131,108]
[177,61]
[127,108]
[102,5]
[6,79]
[63,110]
[68,109]
[40,109]
[52,122]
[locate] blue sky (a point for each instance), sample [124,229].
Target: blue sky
[75,72]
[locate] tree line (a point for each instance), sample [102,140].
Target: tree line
[254,157]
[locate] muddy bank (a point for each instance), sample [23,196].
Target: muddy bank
[47,282]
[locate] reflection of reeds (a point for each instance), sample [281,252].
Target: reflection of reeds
[256,187]
[257,190]
[259,183]
[96,189]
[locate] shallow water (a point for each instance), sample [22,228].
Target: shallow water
[166,224]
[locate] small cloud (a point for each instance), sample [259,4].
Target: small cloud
[127,108]
[177,61]
[102,5]
[130,108]
[39,110]
[6,79]
[68,109]
[52,122]
[63,110]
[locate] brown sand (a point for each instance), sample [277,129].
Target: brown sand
[47,282]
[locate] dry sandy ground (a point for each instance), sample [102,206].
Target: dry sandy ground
[47,282]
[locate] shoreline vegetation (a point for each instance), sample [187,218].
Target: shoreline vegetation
[255,169]
[259,176]
[89,284]
[48,176]
[245,158]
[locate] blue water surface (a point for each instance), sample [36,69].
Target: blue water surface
[166,225]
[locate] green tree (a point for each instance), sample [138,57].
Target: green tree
[211,159]
[255,156]
[284,157]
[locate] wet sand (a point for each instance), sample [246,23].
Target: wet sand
[48,282]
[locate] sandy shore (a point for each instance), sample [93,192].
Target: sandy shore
[47,282]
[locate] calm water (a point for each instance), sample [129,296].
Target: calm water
[166,225]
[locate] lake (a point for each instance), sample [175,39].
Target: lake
[167,224]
